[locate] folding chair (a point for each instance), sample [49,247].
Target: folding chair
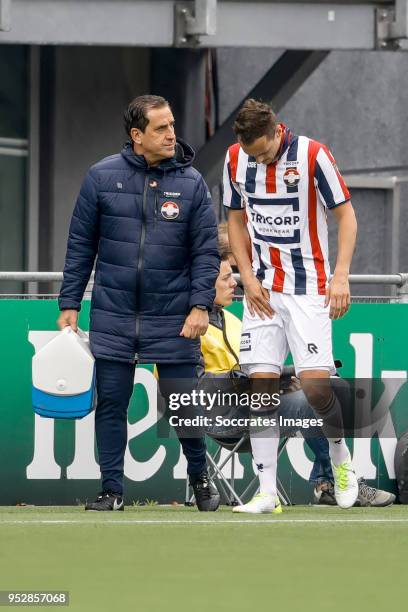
[226,486]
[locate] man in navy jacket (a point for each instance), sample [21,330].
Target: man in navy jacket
[146,214]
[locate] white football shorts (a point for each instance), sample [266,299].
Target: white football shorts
[301,325]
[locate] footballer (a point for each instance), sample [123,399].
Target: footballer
[278,188]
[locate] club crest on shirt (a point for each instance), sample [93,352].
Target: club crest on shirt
[170,210]
[291,177]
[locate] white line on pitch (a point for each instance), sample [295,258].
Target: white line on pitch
[197,522]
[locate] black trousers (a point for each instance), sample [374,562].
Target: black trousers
[114,382]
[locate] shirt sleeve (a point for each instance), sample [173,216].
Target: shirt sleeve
[329,182]
[232,194]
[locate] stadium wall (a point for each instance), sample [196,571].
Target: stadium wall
[355,102]
[93,85]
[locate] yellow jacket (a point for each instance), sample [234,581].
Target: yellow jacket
[220,345]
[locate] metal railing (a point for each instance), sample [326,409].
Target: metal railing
[16,147]
[398,281]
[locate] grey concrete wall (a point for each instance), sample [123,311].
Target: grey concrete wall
[93,86]
[239,70]
[356,103]
[179,76]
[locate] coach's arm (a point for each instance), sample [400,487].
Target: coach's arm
[204,261]
[82,248]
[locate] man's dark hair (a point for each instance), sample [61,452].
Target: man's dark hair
[254,120]
[135,116]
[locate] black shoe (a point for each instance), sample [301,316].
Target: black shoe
[323,495]
[107,500]
[206,495]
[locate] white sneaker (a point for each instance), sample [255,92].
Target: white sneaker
[345,484]
[260,504]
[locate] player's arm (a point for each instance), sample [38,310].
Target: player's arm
[335,196]
[338,292]
[257,297]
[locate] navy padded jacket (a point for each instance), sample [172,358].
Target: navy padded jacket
[154,232]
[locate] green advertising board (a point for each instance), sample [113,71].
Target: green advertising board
[43,461]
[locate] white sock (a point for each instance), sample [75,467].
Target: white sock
[338,450]
[265,445]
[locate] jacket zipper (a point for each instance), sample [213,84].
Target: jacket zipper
[140,262]
[156,206]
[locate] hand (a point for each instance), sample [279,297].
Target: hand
[196,324]
[257,298]
[338,296]
[68,318]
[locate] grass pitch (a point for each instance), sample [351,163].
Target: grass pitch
[164,559]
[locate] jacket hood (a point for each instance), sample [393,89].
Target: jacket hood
[183,157]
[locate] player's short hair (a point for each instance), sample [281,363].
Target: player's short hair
[135,116]
[224,248]
[254,120]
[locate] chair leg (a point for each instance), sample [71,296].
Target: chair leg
[282,494]
[233,502]
[225,482]
[212,474]
[249,487]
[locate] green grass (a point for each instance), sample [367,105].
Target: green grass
[159,558]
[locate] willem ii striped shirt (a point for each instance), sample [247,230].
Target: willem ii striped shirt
[286,204]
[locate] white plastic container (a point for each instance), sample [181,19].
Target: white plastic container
[63,377]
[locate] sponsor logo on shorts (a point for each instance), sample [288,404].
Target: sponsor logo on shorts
[312,348]
[245,342]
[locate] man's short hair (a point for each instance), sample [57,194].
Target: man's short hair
[254,120]
[223,242]
[135,116]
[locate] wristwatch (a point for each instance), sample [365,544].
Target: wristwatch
[200,307]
